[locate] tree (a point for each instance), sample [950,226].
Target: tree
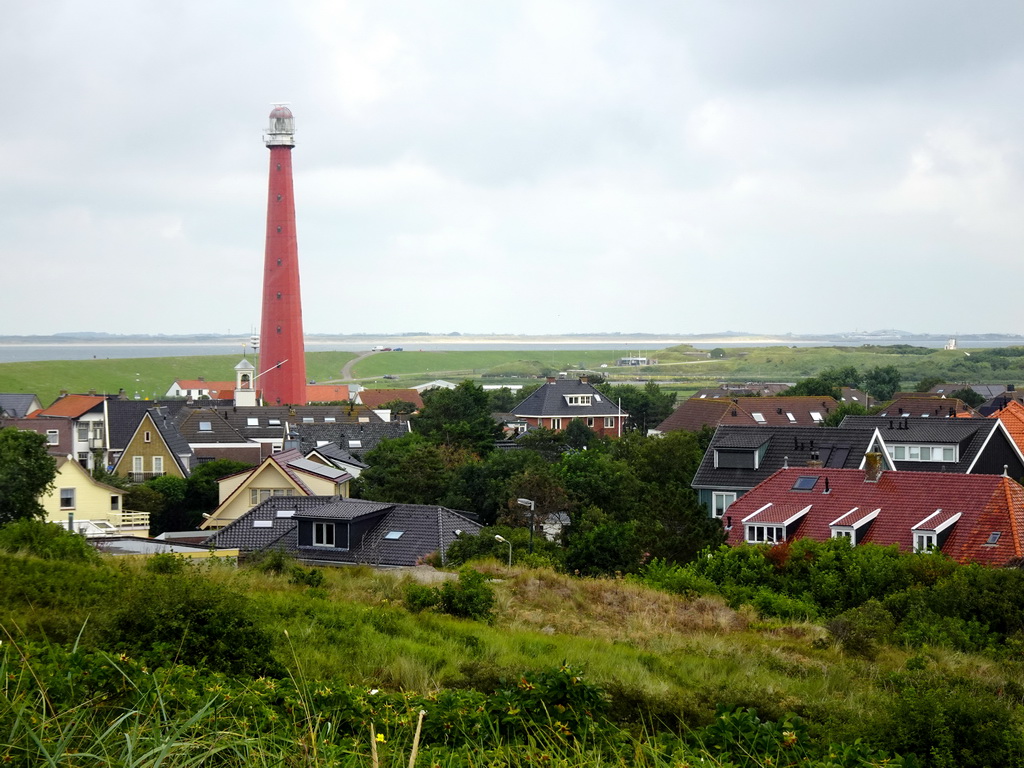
[578,435]
[399,406]
[969,396]
[647,407]
[835,418]
[406,470]
[882,381]
[26,473]
[926,384]
[459,417]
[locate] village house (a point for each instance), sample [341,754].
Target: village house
[560,401]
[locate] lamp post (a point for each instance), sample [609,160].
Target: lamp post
[533,506]
[503,540]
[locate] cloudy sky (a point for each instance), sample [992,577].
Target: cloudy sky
[527,166]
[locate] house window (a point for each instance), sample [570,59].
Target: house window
[393,535]
[115,503]
[765,534]
[323,534]
[67,498]
[945,453]
[791,417]
[924,542]
[252,421]
[355,443]
[844,533]
[204,426]
[758,417]
[273,422]
[330,420]
[147,436]
[257,495]
[816,416]
[52,437]
[805,483]
[307,419]
[609,422]
[83,458]
[556,423]
[577,399]
[83,431]
[590,422]
[137,465]
[720,501]
[158,465]
[993,538]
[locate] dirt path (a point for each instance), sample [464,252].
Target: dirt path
[346,370]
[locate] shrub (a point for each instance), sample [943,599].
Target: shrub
[314,577]
[271,561]
[167,618]
[860,630]
[166,562]
[471,597]
[46,540]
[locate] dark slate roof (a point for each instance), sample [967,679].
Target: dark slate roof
[167,425]
[927,407]
[550,400]
[971,435]
[357,438]
[795,446]
[220,430]
[425,529]
[16,406]
[123,417]
[334,453]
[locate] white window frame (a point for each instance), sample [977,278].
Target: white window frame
[609,422]
[578,400]
[323,535]
[924,542]
[147,436]
[158,464]
[138,465]
[726,497]
[53,437]
[936,453]
[68,494]
[761,533]
[556,423]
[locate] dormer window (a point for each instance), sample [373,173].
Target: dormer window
[930,534]
[735,459]
[910,452]
[578,399]
[852,526]
[767,526]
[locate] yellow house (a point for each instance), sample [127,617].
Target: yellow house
[284,474]
[89,506]
[156,448]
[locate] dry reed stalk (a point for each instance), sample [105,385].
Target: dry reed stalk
[373,747]
[416,740]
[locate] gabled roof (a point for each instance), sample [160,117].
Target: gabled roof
[165,423]
[74,406]
[971,436]
[1012,416]
[356,438]
[783,446]
[18,406]
[123,417]
[218,390]
[969,508]
[376,398]
[424,529]
[551,399]
[73,466]
[333,453]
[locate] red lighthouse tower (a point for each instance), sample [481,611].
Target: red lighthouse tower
[282,351]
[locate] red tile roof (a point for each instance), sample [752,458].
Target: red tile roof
[327,393]
[72,405]
[986,504]
[375,398]
[1012,416]
[695,413]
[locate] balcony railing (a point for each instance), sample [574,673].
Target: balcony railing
[130,520]
[141,477]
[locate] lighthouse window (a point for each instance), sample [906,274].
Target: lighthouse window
[278,229]
[279,329]
[279,166]
[279,294]
[279,198]
[279,262]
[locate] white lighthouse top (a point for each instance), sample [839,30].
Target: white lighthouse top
[281,132]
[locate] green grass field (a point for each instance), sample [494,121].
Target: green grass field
[681,368]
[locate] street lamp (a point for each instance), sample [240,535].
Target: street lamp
[503,540]
[533,506]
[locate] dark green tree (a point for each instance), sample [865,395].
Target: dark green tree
[26,473]
[836,416]
[882,381]
[647,407]
[407,470]
[926,384]
[459,417]
[969,396]
[203,494]
[173,512]
[578,435]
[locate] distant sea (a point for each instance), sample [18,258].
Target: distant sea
[16,352]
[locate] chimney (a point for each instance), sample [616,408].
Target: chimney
[584,379]
[551,379]
[92,391]
[872,467]
[202,378]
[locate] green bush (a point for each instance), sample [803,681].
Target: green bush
[166,562]
[471,597]
[860,630]
[46,540]
[163,619]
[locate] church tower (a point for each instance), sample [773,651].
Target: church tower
[282,360]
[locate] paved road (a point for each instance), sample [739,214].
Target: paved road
[346,370]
